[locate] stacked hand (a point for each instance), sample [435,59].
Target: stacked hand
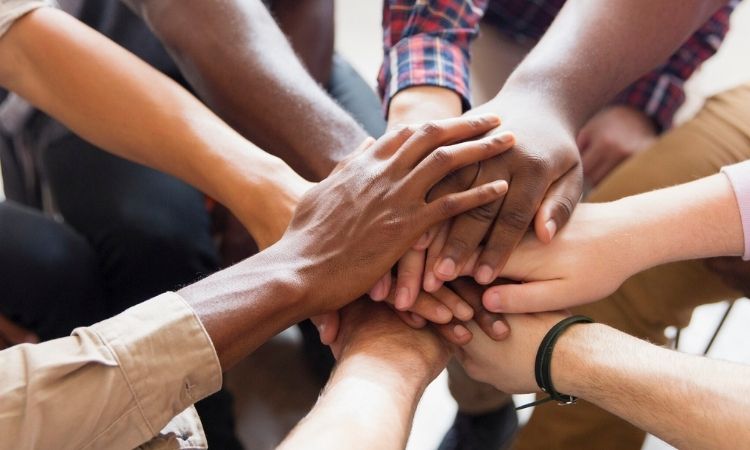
[544,173]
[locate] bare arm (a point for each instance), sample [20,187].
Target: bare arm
[689,401]
[686,400]
[383,368]
[608,242]
[119,103]
[243,67]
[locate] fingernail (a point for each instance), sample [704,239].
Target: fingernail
[460,331]
[464,311]
[551,227]
[422,242]
[418,320]
[431,284]
[321,328]
[500,187]
[492,302]
[499,328]
[447,267]
[30,339]
[402,298]
[505,137]
[443,313]
[484,274]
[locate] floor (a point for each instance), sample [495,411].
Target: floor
[273,388]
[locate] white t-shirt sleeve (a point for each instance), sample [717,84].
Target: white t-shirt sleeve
[12,10]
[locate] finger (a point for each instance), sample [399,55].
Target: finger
[444,160]
[535,296]
[4,343]
[15,334]
[432,135]
[379,292]
[452,205]
[459,308]
[454,332]
[464,238]
[328,326]
[512,222]
[493,325]
[411,319]
[430,282]
[558,205]
[409,279]
[392,141]
[430,308]
[426,239]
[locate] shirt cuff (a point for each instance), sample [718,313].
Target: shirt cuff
[739,178]
[166,356]
[425,60]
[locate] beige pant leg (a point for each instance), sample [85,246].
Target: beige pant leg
[663,296]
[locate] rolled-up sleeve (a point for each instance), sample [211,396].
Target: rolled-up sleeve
[427,43]
[115,384]
[12,10]
[739,178]
[660,93]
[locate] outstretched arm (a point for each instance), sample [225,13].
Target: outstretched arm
[608,242]
[113,99]
[243,67]
[158,358]
[686,400]
[383,368]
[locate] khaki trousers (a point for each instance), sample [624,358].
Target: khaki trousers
[648,302]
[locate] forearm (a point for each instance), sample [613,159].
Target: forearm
[367,404]
[589,54]
[695,220]
[243,67]
[245,305]
[689,401]
[111,98]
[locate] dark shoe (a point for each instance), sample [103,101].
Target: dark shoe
[494,430]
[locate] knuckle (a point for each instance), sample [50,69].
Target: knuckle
[403,131]
[442,157]
[563,206]
[536,165]
[516,220]
[431,129]
[484,213]
[449,206]
[459,245]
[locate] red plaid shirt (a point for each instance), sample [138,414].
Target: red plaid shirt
[426,42]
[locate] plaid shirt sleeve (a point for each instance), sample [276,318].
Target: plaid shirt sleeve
[426,42]
[660,92]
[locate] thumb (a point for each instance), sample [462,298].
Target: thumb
[535,296]
[328,326]
[557,206]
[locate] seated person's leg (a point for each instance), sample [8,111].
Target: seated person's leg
[50,279]
[151,234]
[664,296]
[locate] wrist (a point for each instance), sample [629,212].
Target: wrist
[423,103]
[265,201]
[398,377]
[577,358]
